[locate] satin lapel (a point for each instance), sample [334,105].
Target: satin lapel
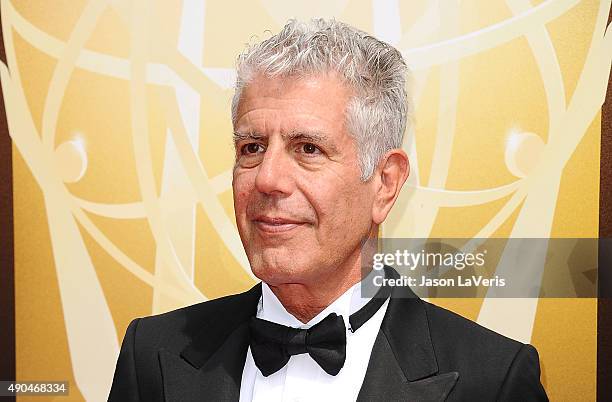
[403,363]
[211,366]
[385,381]
[217,380]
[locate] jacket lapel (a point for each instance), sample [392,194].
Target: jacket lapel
[402,364]
[212,363]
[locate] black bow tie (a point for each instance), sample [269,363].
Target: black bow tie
[273,344]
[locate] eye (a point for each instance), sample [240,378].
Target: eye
[309,148]
[251,148]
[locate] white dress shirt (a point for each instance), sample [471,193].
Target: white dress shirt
[302,379]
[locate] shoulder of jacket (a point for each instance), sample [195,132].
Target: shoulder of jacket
[445,324]
[189,320]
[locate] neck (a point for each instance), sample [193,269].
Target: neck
[306,299]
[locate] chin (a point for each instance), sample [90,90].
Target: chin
[277,273]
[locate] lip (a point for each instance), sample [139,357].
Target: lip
[269,224]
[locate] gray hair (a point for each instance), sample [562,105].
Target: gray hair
[376,116]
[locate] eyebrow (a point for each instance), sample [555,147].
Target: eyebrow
[305,136]
[246,136]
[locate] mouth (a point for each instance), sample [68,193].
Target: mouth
[269,224]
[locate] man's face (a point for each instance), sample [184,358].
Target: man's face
[300,205]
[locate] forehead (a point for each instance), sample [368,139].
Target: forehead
[289,103]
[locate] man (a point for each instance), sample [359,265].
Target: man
[319,114]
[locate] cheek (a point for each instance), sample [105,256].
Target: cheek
[241,187]
[241,198]
[342,206]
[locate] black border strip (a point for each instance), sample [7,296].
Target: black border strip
[7,260]
[604,304]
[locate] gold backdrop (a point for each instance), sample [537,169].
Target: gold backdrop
[119,116]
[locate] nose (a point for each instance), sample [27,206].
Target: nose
[275,173]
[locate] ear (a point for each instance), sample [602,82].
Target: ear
[389,177]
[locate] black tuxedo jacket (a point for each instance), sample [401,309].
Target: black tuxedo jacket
[422,353]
